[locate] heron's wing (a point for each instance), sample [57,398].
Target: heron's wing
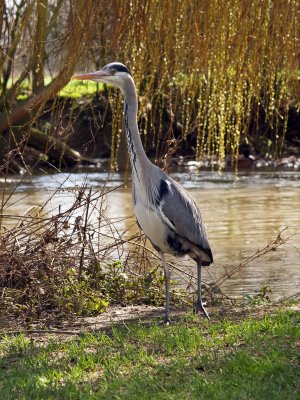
[182,214]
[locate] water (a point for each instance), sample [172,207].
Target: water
[242,214]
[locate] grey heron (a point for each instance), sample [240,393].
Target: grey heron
[165,212]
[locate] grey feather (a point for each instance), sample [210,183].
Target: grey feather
[183,213]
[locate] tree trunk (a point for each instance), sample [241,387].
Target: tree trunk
[80,27]
[2,3]
[39,45]
[54,148]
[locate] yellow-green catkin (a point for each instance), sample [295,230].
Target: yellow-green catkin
[212,60]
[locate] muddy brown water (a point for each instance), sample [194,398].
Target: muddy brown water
[242,214]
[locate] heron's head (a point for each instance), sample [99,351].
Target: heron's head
[115,74]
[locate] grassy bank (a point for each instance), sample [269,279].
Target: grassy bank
[232,357]
[73,89]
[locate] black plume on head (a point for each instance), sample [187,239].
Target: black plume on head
[119,67]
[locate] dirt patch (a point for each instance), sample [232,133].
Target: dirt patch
[145,315]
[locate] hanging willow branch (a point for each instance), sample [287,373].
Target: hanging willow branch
[218,61]
[221,64]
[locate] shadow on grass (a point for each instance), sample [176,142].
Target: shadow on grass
[224,360]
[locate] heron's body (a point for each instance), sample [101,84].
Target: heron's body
[170,219]
[165,212]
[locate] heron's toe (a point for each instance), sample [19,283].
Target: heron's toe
[200,307]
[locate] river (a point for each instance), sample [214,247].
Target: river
[241,213]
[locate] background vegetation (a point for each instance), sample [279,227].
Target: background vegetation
[211,72]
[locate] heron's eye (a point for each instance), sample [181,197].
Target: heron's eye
[113,71]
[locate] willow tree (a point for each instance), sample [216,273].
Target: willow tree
[33,33]
[217,64]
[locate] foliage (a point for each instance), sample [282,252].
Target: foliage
[73,261]
[261,296]
[77,89]
[63,294]
[36,36]
[73,89]
[231,357]
[54,265]
[220,68]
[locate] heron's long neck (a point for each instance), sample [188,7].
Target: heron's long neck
[138,158]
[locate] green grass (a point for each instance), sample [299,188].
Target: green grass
[191,359]
[77,89]
[73,89]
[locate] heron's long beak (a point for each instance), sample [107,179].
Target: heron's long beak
[92,75]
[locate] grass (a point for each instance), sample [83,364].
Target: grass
[76,89]
[73,89]
[248,358]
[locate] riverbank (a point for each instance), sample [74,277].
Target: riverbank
[80,131]
[240,354]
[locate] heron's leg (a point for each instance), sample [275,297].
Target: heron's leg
[167,285]
[200,305]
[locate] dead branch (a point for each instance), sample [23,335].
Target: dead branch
[272,246]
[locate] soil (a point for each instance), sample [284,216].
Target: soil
[117,316]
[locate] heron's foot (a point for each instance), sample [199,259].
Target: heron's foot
[200,307]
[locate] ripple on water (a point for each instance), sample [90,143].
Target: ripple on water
[241,213]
